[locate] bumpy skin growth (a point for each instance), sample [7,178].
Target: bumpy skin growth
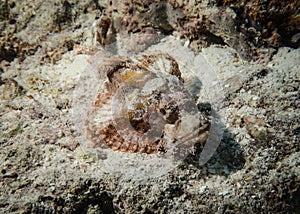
[143,107]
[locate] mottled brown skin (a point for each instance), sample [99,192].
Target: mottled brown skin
[119,70]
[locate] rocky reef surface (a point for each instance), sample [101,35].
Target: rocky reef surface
[253,48]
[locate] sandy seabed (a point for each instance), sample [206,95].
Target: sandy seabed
[44,168]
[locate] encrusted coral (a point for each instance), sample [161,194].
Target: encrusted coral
[268,23]
[142,106]
[243,25]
